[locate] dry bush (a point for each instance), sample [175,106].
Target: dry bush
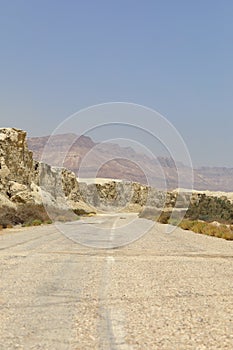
[198,227]
[221,231]
[31,212]
[164,217]
[228,236]
[33,215]
[186,224]
[82,212]
[8,216]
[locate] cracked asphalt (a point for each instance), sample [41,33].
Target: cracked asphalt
[163,291]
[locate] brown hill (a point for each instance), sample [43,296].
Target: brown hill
[107,160]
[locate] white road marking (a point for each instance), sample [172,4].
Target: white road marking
[110,259]
[112,232]
[117,319]
[113,319]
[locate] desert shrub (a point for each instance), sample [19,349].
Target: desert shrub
[186,224]
[221,231]
[228,235]
[36,222]
[81,212]
[8,216]
[198,227]
[30,212]
[33,215]
[26,224]
[164,217]
[202,211]
[210,230]
[9,226]
[211,209]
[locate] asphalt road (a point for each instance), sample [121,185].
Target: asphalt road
[163,291]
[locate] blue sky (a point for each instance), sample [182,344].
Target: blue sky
[174,56]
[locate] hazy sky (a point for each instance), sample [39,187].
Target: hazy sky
[174,56]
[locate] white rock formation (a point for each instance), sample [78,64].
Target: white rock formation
[24,180]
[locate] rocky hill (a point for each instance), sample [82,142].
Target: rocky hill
[111,161]
[56,154]
[124,163]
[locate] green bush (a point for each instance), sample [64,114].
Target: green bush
[210,209]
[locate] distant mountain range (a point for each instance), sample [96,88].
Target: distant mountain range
[87,158]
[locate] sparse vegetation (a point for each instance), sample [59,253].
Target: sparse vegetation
[164,217]
[222,231]
[33,215]
[200,216]
[8,217]
[210,209]
[82,212]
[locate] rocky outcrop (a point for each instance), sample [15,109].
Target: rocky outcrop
[16,161]
[131,196]
[16,167]
[24,180]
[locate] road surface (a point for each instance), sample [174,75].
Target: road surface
[163,291]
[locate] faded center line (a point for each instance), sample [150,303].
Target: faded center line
[112,319]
